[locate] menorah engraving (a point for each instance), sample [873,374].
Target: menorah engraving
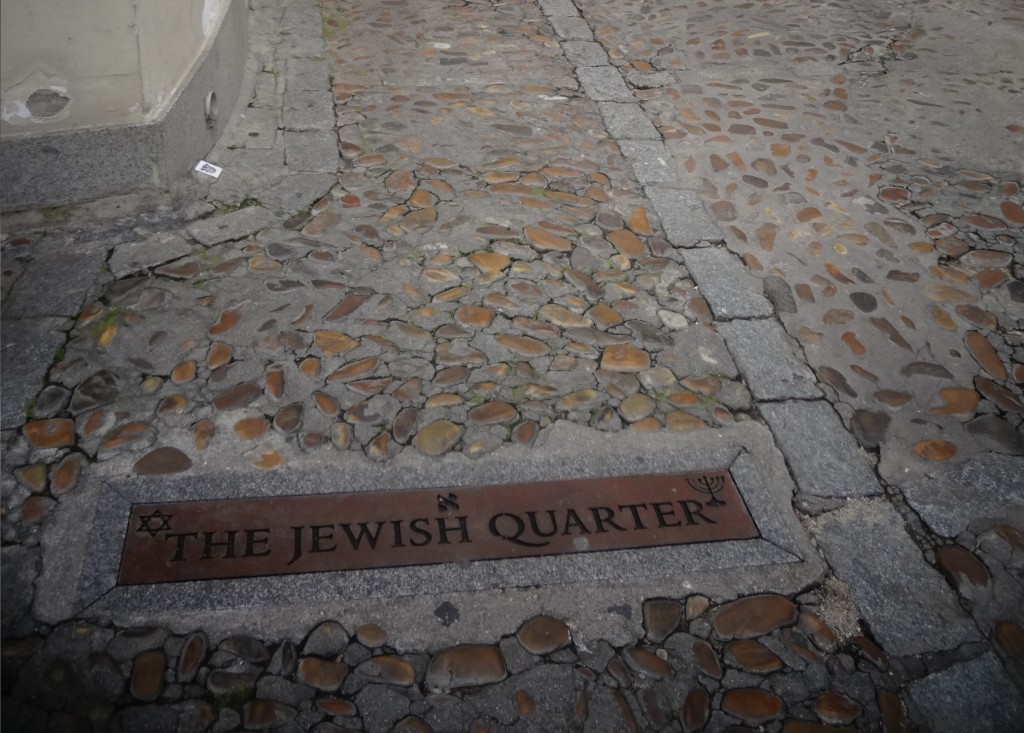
[710,485]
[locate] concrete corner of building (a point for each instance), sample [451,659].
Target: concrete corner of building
[102,121]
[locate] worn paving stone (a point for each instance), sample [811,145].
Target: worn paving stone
[770,367]
[908,606]
[231,226]
[724,284]
[976,695]
[683,216]
[824,458]
[311,152]
[984,486]
[627,121]
[297,192]
[156,250]
[26,355]
[651,161]
[604,84]
[307,110]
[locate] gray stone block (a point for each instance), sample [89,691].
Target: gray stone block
[683,216]
[559,7]
[158,249]
[907,604]
[767,361]
[651,161]
[822,455]
[976,696]
[231,226]
[18,570]
[585,53]
[34,295]
[604,84]
[253,127]
[307,111]
[571,28]
[297,192]
[28,349]
[627,121]
[306,75]
[947,499]
[312,152]
[725,284]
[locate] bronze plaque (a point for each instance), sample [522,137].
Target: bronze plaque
[240,538]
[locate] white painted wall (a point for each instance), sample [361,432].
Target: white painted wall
[70,64]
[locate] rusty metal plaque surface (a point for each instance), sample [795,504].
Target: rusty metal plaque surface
[239,538]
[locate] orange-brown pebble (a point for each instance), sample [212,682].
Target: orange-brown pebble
[961,567]
[184,372]
[696,710]
[1009,635]
[32,477]
[219,355]
[148,675]
[934,449]
[543,635]
[525,704]
[52,433]
[163,461]
[275,382]
[202,433]
[754,707]
[754,616]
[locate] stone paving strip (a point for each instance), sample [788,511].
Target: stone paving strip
[520,240]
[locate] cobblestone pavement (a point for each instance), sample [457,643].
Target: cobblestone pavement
[444,228]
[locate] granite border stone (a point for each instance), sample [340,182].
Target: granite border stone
[683,216]
[905,601]
[725,284]
[823,456]
[771,367]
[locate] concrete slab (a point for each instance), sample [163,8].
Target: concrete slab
[82,549]
[907,605]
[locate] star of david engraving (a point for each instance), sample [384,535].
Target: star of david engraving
[146,523]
